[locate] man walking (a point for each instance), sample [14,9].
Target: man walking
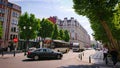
[105,53]
[114,55]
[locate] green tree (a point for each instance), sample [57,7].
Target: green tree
[61,34]
[99,33]
[55,34]
[46,28]
[98,12]
[1,31]
[28,26]
[116,22]
[66,37]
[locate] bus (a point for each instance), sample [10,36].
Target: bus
[61,46]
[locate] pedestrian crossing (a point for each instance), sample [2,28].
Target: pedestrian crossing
[98,58]
[97,55]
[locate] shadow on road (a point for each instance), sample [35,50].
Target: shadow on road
[4,57]
[43,59]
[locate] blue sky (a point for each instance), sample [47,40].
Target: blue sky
[47,8]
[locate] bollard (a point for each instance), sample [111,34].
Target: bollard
[83,53]
[2,52]
[81,56]
[14,53]
[89,59]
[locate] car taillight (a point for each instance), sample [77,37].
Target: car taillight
[29,52]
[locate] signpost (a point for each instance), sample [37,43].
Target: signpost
[15,40]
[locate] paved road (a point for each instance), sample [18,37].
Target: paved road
[69,60]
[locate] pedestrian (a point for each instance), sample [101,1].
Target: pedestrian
[105,53]
[114,56]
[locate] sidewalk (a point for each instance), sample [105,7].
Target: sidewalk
[96,57]
[10,54]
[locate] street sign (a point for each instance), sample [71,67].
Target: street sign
[15,40]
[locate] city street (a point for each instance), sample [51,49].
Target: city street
[69,60]
[41,27]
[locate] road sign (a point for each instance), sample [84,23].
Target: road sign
[15,40]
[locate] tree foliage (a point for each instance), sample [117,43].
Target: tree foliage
[61,34]
[66,37]
[46,28]
[116,22]
[100,14]
[28,25]
[55,34]
[99,33]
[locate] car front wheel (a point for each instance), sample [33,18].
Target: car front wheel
[36,57]
[58,57]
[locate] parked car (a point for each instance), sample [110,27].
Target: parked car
[44,53]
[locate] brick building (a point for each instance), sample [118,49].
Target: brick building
[9,14]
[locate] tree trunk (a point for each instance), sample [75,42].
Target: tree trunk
[114,42]
[109,35]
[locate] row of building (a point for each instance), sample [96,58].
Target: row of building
[9,14]
[77,33]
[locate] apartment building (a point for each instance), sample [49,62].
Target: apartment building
[9,14]
[77,33]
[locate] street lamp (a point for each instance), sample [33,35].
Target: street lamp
[25,28]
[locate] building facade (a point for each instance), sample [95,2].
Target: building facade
[9,14]
[77,33]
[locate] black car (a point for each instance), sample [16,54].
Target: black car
[44,53]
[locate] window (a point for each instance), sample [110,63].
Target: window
[1,18]
[61,23]
[13,29]
[14,21]
[11,36]
[72,30]
[15,14]
[72,38]
[2,11]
